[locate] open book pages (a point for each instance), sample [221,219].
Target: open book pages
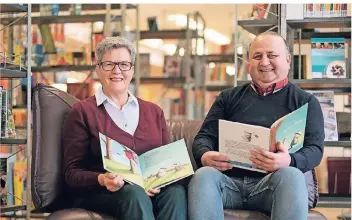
[236,140]
[151,170]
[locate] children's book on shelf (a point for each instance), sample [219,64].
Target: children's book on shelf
[237,139]
[153,169]
[3,178]
[328,58]
[4,113]
[326,100]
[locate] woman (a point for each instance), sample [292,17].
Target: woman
[135,123]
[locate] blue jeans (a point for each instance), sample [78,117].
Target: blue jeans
[282,193]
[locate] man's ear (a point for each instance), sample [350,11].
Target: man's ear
[288,58]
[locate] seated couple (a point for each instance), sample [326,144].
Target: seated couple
[141,126]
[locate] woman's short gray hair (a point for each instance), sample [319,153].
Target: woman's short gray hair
[110,43]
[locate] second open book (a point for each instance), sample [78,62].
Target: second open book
[237,139]
[151,170]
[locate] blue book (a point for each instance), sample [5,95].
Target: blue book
[328,58]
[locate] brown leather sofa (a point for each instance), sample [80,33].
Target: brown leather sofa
[50,108]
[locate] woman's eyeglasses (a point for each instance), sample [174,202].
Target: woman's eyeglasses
[123,66]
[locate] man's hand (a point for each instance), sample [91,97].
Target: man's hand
[112,182]
[269,161]
[153,192]
[216,160]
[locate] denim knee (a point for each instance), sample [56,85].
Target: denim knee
[291,177]
[207,174]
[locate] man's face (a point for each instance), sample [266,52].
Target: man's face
[269,60]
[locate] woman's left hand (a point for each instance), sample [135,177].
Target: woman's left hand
[153,192]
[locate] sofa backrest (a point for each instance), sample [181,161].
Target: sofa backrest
[50,109]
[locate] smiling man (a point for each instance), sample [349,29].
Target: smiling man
[283,191]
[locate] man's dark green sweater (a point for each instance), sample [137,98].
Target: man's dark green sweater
[242,104]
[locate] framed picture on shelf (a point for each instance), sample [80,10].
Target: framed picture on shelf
[144,64]
[172,66]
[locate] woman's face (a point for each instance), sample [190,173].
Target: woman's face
[115,71]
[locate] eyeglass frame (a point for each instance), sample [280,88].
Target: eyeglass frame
[115,64]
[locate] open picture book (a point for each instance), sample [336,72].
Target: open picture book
[237,139]
[151,170]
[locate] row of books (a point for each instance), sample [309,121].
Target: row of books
[173,107]
[324,10]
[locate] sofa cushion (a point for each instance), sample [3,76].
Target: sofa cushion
[253,215]
[77,214]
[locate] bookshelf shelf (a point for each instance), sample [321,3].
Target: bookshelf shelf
[12,208]
[220,58]
[13,141]
[62,68]
[13,8]
[307,35]
[346,144]
[311,23]
[166,34]
[258,26]
[336,85]
[334,201]
[214,88]
[85,7]
[166,80]
[7,74]
[62,19]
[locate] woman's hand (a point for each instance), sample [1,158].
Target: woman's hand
[112,182]
[153,192]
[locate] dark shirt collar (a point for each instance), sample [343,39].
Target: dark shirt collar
[271,89]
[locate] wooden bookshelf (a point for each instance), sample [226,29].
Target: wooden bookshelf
[8,73]
[62,19]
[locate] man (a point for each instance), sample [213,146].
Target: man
[217,185]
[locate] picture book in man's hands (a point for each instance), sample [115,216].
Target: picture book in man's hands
[151,170]
[237,139]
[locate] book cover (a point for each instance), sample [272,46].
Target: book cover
[237,139]
[328,58]
[327,103]
[151,170]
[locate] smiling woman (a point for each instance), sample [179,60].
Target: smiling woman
[137,124]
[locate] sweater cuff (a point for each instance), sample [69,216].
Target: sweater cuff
[293,161]
[199,156]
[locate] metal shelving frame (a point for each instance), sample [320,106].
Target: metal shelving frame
[19,73]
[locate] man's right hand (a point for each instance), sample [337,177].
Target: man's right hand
[112,182]
[216,160]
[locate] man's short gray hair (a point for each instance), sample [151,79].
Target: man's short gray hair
[110,43]
[271,33]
